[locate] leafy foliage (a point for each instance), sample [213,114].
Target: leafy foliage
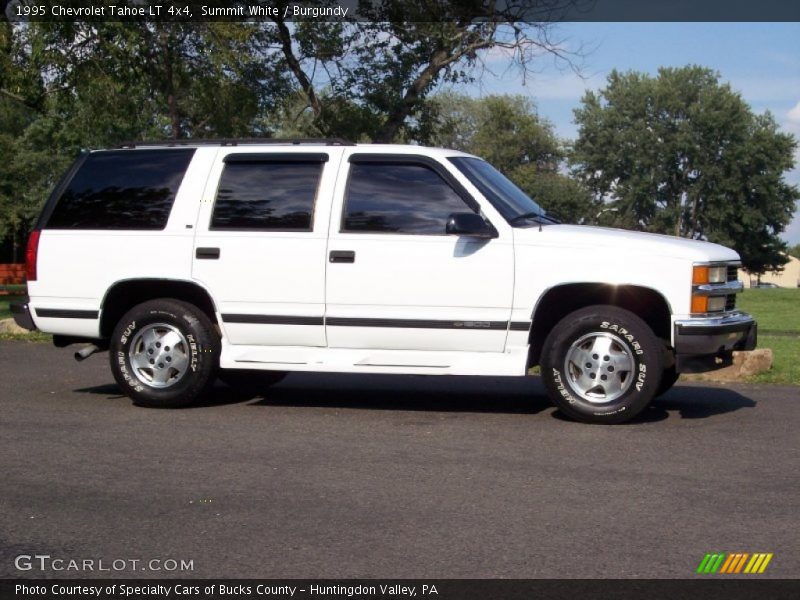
[682,153]
[508,132]
[68,86]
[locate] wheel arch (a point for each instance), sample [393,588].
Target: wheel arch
[559,301]
[125,294]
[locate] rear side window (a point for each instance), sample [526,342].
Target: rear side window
[267,195]
[122,189]
[399,198]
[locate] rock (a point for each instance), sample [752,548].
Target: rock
[745,364]
[753,362]
[8,326]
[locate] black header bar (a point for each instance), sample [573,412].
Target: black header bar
[266,11]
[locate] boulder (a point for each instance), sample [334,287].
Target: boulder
[753,362]
[745,364]
[8,326]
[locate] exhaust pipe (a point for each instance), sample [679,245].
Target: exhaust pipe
[86,352]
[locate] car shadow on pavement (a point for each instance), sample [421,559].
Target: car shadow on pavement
[221,396]
[448,394]
[687,402]
[700,402]
[408,392]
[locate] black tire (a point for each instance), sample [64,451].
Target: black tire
[668,378]
[629,387]
[250,382]
[196,347]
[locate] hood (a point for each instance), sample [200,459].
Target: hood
[583,236]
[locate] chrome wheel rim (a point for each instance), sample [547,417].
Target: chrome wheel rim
[159,355]
[599,367]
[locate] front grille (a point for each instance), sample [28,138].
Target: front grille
[730,302]
[733,272]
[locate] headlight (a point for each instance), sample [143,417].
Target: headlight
[704,274]
[708,304]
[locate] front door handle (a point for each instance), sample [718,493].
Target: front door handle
[342,256]
[207,253]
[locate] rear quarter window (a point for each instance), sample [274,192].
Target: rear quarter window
[122,189]
[264,195]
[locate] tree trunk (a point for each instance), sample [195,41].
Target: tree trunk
[297,70]
[412,97]
[15,246]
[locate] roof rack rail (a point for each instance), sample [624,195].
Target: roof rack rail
[239,142]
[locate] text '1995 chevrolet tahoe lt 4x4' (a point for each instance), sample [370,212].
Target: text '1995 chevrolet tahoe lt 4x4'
[192,260]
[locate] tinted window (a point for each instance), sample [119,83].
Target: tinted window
[124,189]
[399,198]
[266,196]
[507,198]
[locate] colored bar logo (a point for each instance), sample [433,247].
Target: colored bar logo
[734,562]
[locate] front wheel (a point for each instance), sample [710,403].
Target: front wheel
[602,364]
[668,378]
[164,353]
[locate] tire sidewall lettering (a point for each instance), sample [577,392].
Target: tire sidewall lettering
[562,389]
[130,379]
[194,347]
[638,340]
[623,333]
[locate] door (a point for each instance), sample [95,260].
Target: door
[261,240]
[395,279]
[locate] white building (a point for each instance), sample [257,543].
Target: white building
[788,278]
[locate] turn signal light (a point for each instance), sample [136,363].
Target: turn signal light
[700,275]
[699,304]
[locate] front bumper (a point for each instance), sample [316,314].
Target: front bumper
[22,315]
[704,344]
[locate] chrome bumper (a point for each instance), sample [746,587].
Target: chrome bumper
[704,344]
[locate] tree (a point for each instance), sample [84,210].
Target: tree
[794,251]
[65,86]
[71,85]
[173,80]
[682,153]
[370,79]
[509,133]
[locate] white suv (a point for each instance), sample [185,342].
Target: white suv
[189,260]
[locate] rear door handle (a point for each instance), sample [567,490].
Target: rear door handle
[342,256]
[207,253]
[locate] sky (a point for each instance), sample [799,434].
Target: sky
[759,60]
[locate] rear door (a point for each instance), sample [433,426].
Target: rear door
[261,241]
[395,280]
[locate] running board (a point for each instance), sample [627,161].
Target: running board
[355,360]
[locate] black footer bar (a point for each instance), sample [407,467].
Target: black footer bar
[731,588]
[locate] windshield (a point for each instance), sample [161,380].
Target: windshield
[507,198]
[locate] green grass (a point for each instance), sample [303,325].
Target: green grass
[33,336]
[774,309]
[5,311]
[777,311]
[786,360]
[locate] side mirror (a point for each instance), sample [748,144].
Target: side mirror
[469,224]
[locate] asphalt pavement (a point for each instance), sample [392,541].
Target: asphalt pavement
[386,476]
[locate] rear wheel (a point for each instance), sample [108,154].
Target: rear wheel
[602,364]
[164,353]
